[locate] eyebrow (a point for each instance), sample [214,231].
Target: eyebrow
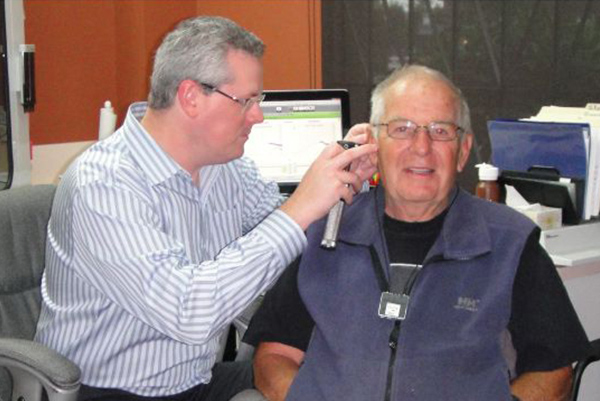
[433,121]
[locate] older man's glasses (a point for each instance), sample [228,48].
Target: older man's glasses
[437,131]
[246,103]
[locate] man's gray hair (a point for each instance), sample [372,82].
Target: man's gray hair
[197,50]
[405,74]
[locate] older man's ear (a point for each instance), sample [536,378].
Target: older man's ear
[366,166]
[372,139]
[463,151]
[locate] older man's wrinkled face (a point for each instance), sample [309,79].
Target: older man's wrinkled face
[419,173]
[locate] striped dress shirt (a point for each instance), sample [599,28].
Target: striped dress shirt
[144,269]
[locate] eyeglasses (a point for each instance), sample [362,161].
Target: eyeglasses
[437,131]
[245,103]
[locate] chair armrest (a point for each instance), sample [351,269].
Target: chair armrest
[595,355]
[249,395]
[32,364]
[245,352]
[580,366]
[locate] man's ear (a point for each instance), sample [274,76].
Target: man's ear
[190,96]
[464,151]
[371,139]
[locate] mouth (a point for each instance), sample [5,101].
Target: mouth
[420,170]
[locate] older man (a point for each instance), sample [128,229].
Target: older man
[161,234]
[428,284]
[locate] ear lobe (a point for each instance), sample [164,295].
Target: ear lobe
[463,152]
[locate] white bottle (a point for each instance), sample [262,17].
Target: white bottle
[108,121]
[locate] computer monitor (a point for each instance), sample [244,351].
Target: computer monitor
[298,124]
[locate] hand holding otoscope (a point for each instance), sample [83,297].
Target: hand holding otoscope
[323,183]
[335,214]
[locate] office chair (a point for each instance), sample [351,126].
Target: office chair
[245,351]
[580,366]
[27,368]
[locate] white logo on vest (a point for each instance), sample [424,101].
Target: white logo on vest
[468,304]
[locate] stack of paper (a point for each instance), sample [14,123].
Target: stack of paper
[571,246]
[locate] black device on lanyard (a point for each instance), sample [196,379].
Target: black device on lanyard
[393,303]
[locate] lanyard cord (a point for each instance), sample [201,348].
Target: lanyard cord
[384,285]
[379,274]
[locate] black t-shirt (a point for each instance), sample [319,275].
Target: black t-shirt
[545,330]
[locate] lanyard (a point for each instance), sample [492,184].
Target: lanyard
[393,303]
[394,284]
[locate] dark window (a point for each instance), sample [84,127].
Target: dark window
[509,57]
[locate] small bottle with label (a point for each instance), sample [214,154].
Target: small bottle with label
[488,186]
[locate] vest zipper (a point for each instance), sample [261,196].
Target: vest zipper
[393,344]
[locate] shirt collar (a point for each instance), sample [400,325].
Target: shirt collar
[153,160]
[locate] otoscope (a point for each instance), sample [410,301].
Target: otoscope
[335,214]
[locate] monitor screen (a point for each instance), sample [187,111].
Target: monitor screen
[298,124]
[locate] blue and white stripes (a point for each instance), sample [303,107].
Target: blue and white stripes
[144,269]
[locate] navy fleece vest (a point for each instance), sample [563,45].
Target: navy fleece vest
[449,345]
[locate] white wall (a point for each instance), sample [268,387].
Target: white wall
[50,161]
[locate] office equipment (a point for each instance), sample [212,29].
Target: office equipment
[533,148]
[298,125]
[572,245]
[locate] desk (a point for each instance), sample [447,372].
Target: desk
[583,285]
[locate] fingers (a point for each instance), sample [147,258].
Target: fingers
[364,166]
[359,133]
[358,185]
[326,182]
[344,158]
[347,195]
[361,168]
[352,185]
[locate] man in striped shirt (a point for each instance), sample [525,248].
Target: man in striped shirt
[162,234]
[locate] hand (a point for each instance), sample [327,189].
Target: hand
[552,385]
[326,182]
[275,367]
[365,166]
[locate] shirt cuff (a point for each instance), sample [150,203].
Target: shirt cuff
[284,235]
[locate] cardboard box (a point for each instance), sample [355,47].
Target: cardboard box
[547,218]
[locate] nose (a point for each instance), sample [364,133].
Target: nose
[254,114]
[421,141]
